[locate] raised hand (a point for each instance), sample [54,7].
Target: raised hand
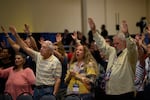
[74,35]
[5,32]
[13,30]
[58,37]
[72,74]
[26,30]
[92,24]
[124,27]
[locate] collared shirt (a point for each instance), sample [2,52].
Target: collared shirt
[47,69]
[122,67]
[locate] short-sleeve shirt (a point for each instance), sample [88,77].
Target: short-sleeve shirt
[18,81]
[47,69]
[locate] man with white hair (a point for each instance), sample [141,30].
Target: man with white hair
[48,68]
[120,72]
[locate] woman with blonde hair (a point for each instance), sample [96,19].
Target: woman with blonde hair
[81,73]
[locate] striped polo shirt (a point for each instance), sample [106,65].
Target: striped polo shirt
[47,69]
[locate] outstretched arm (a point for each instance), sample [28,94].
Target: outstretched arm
[13,44]
[92,25]
[130,45]
[21,42]
[33,42]
[75,37]
[141,49]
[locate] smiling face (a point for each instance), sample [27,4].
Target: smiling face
[19,60]
[79,52]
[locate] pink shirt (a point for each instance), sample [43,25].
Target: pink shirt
[18,81]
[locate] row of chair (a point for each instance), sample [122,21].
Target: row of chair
[27,96]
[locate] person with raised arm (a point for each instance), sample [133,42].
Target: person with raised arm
[122,59]
[48,67]
[29,41]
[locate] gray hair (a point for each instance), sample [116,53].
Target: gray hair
[49,44]
[121,36]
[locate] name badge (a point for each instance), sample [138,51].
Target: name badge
[76,88]
[107,75]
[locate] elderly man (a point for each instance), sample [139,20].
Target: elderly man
[48,67]
[120,72]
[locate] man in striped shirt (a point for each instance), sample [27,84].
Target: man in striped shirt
[48,68]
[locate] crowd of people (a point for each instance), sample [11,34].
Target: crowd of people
[92,68]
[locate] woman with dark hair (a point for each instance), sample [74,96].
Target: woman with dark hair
[19,78]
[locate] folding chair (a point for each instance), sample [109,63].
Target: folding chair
[48,97]
[6,96]
[72,97]
[25,96]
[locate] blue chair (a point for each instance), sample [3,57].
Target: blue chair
[25,96]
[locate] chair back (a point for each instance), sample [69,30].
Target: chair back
[72,97]
[25,96]
[5,96]
[48,97]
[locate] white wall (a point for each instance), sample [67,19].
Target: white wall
[56,15]
[96,10]
[130,10]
